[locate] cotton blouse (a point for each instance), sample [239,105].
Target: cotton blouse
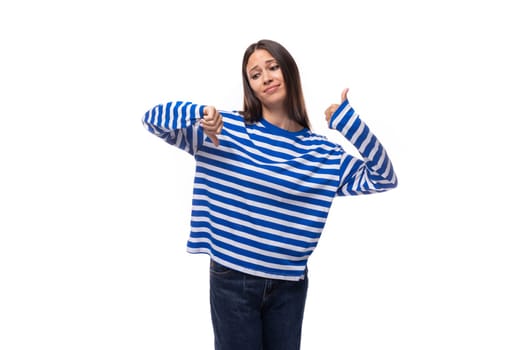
[261,198]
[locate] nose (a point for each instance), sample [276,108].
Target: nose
[267,77]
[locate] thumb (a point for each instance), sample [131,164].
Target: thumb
[344,94]
[215,140]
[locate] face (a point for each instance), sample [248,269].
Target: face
[266,79]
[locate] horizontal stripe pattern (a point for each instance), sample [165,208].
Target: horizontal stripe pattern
[261,199]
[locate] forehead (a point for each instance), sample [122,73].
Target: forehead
[259,58]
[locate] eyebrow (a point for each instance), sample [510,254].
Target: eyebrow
[267,61]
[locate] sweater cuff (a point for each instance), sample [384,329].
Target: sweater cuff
[341,116]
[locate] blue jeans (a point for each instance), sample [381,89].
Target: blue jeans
[254,313]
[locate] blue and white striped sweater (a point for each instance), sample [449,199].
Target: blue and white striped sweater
[261,199]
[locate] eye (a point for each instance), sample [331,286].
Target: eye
[255,76]
[274,67]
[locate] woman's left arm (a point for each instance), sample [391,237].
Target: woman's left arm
[374,172]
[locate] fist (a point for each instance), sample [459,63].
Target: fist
[212,123]
[333,107]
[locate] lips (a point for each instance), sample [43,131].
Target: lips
[271,89]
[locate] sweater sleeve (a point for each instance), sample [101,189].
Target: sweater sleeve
[177,124]
[374,172]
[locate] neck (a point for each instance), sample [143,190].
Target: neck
[281,120]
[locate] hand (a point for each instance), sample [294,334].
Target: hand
[212,123]
[330,110]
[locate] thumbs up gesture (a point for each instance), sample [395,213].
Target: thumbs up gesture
[333,107]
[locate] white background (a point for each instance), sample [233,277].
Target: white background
[95,211]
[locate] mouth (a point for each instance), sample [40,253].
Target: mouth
[271,89]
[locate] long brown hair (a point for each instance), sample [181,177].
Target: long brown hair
[294,103]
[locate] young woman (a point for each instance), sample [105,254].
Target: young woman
[264,184]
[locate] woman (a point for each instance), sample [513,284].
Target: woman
[264,184]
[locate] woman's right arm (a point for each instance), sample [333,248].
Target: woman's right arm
[177,123]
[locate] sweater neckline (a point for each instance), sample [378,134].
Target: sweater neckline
[280,131]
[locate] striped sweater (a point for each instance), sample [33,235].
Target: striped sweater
[261,198]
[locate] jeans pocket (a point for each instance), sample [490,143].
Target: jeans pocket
[218,269]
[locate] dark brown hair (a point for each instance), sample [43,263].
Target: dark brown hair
[252,110]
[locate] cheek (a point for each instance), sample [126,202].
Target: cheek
[254,83]
[279,75]
[255,88]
